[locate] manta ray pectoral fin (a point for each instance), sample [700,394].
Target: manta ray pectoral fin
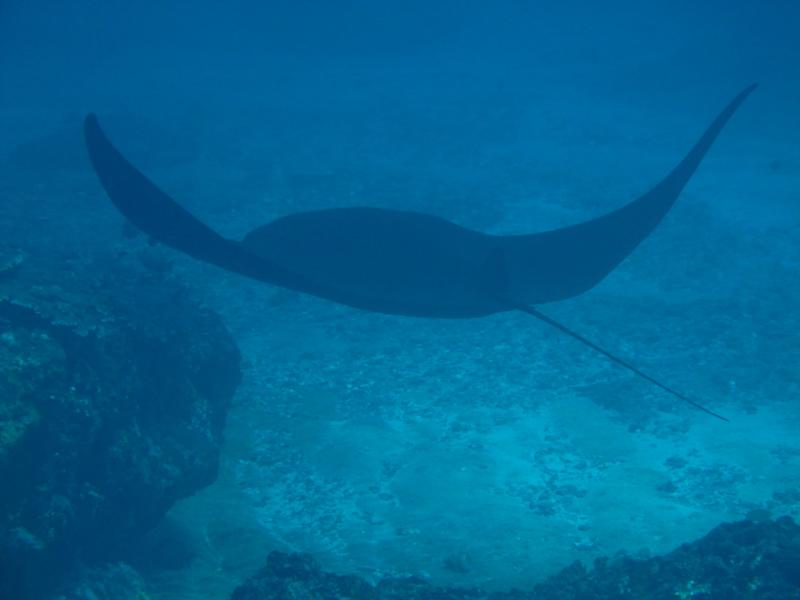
[146,206]
[530,310]
[164,220]
[562,263]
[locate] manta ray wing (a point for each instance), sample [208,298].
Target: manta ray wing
[559,264]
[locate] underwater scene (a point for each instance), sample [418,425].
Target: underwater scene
[318,300]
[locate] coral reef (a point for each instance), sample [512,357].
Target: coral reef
[114,389]
[746,559]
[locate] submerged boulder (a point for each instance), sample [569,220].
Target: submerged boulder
[114,388]
[745,559]
[299,576]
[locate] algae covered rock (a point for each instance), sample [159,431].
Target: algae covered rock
[114,388]
[30,362]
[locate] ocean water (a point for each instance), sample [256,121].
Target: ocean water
[491,451]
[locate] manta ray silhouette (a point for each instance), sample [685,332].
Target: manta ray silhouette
[408,263]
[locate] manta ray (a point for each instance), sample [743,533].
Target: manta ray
[409,263]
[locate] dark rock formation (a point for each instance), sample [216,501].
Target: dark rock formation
[114,388]
[747,560]
[735,560]
[299,576]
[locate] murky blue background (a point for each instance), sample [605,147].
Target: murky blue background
[489,451]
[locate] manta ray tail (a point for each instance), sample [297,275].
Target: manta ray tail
[623,363]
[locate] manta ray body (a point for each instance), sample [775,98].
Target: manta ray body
[408,263]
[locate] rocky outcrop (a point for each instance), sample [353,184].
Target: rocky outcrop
[743,560]
[114,388]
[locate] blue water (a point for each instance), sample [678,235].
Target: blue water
[490,451]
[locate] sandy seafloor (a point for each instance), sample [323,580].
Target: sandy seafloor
[492,451]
